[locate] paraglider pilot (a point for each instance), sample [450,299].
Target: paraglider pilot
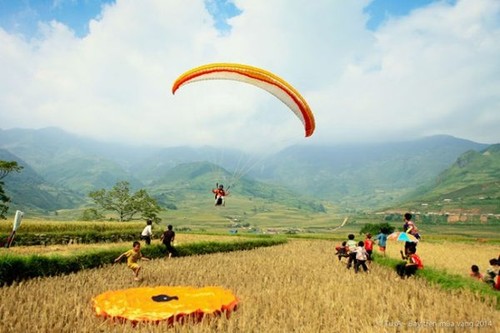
[219,195]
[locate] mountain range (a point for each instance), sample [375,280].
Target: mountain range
[60,169]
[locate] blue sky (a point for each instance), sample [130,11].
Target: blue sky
[379,70]
[21,16]
[380,10]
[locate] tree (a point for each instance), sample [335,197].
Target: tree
[119,200]
[6,167]
[374,229]
[91,214]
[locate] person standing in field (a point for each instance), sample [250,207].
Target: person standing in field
[410,228]
[168,238]
[133,256]
[361,257]
[351,248]
[147,233]
[369,247]
[381,238]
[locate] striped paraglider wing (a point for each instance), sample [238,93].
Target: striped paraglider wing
[257,77]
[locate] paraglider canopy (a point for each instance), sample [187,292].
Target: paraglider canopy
[164,303]
[255,76]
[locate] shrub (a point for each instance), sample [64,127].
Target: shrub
[374,229]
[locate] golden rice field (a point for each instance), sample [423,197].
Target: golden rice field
[453,257]
[295,287]
[43,226]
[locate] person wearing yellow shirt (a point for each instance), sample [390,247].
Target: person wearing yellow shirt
[133,256]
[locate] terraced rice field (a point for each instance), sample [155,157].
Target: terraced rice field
[296,287]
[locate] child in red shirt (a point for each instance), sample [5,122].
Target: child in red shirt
[369,247]
[410,266]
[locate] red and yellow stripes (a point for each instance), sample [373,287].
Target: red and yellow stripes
[255,76]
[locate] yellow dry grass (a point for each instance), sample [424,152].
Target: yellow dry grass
[453,257]
[295,287]
[75,248]
[43,225]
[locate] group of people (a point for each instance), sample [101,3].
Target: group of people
[492,275]
[344,251]
[167,238]
[134,255]
[411,260]
[359,254]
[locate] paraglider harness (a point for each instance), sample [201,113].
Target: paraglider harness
[219,194]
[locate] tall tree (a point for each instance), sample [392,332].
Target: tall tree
[6,167]
[126,205]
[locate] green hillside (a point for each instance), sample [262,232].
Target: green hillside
[62,168]
[471,184]
[193,182]
[366,176]
[28,190]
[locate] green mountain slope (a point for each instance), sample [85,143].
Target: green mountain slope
[193,182]
[354,177]
[471,184]
[69,161]
[366,175]
[29,191]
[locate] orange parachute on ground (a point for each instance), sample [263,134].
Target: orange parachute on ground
[255,76]
[171,304]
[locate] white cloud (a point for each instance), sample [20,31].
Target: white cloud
[433,72]
[429,73]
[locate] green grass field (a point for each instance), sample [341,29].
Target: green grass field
[248,216]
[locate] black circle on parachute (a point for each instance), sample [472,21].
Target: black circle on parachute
[163,298]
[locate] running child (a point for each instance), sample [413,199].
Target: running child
[361,257]
[133,256]
[341,251]
[351,246]
[369,247]
[382,241]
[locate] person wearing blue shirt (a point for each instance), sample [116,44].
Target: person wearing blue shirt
[381,239]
